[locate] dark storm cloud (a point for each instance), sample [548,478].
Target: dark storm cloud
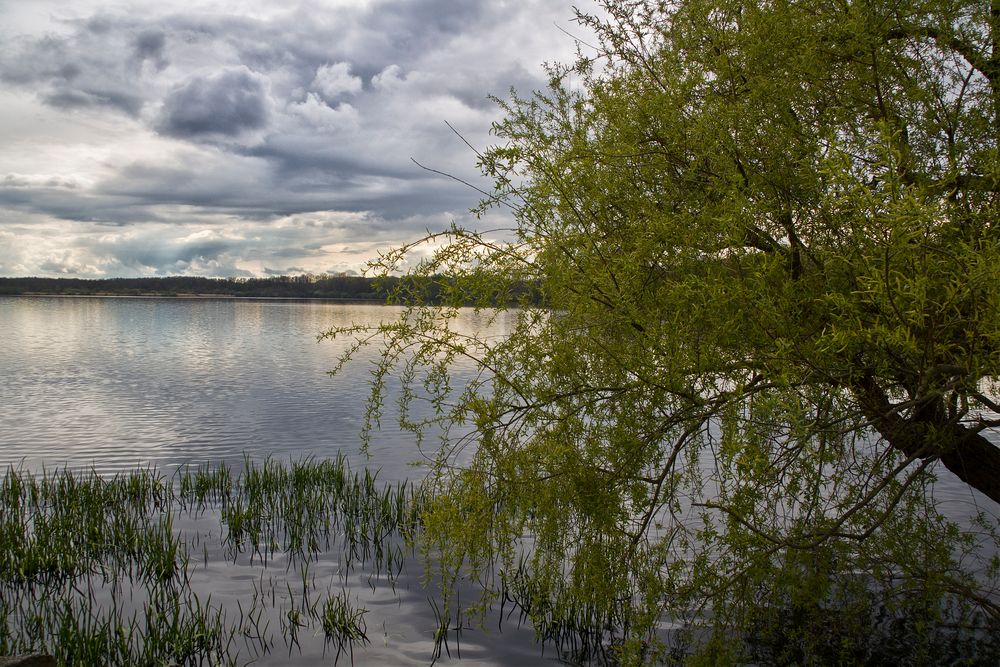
[251,190]
[398,30]
[370,39]
[169,254]
[202,250]
[149,46]
[25,63]
[382,33]
[159,252]
[77,98]
[70,204]
[227,104]
[72,72]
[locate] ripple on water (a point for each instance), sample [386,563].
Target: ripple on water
[119,383]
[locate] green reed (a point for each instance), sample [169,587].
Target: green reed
[343,624]
[95,570]
[297,509]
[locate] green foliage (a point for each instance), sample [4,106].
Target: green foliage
[765,235]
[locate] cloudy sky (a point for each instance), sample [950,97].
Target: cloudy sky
[252,137]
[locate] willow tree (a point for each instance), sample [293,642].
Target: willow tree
[766,244]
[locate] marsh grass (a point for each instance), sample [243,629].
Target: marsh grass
[118,570]
[95,570]
[343,624]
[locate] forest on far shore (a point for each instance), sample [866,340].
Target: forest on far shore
[293,287]
[384,289]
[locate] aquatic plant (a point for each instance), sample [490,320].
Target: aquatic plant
[343,624]
[98,570]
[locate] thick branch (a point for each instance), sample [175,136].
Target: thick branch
[962,450]
[759,239]
[984,66]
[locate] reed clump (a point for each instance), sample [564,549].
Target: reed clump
[106,569]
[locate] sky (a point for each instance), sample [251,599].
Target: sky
[253,137]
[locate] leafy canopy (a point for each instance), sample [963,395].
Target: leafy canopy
[765,237]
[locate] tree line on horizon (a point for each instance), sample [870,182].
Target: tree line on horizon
[385,289]
[304,286]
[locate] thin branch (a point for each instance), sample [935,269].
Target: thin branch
[953,42]
[489,195]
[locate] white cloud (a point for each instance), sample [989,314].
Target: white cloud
[319,115]
[334,81]
[388,78]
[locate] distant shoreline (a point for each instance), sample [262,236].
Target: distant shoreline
[327,287]
[196,297]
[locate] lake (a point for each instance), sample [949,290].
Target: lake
[116,384]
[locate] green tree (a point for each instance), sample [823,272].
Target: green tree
[766,239]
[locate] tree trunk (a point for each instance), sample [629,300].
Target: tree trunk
[976,461]
[964,451]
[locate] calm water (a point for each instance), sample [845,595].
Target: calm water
[116,384]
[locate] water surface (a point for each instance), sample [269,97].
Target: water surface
[116,383]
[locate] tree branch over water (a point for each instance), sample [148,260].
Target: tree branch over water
[772,230]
